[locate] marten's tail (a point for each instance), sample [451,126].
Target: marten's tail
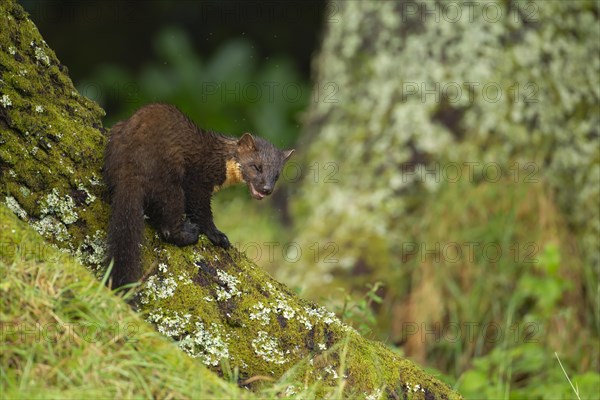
[125,234]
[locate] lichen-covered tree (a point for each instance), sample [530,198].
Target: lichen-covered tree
[215,304]
[450,126]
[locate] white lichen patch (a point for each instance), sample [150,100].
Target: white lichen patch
[331,371]
[172,325]
[5,101]
[376,395]
[230,282]
[163,254]
[23,72]
[92,251]
[268,349]
[24,191]
[184,279]
[89,198]
[207,344]
[14,206]
[280,306]
[322,314]
[41,55]
[39,109]
[197,258]
[95,181]
[305,321]
[268,288]
[63,207]
[156,288]
[260,314]
[50,226]
[414,388]
[290,391]
[12,50]
[284,308]
[306,316]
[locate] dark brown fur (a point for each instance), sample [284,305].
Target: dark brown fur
[159,163]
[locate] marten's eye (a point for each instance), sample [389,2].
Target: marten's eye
[258,168]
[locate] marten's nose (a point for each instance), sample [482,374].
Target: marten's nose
[267,189]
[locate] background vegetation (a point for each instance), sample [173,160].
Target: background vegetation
[359,203]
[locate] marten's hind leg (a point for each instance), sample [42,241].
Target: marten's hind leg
[199,211]
[168,214]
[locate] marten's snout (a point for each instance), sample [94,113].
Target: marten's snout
[267,189]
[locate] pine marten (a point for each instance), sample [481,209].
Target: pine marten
[159,163]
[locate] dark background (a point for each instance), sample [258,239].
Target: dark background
[123,54]
[85,34]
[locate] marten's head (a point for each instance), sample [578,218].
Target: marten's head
[260,164]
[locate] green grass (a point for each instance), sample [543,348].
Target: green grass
[64,335]
[516,305]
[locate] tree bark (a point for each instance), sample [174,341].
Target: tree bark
[216,304]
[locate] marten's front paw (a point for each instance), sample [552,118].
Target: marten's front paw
[190,232]
[218,238]
[187,234]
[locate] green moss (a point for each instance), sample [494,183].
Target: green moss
[222,305]
[49,121]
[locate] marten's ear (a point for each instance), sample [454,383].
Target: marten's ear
[287,154]
[246,142]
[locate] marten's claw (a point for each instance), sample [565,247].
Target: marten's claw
[218,238]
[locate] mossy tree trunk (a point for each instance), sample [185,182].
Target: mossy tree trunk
[403,87]
[215,304]
[417,94]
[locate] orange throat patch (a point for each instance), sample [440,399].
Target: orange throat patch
[233,175]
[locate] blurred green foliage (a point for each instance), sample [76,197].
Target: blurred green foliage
[359,312]
[232,92]
[508,103]
[506,374]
